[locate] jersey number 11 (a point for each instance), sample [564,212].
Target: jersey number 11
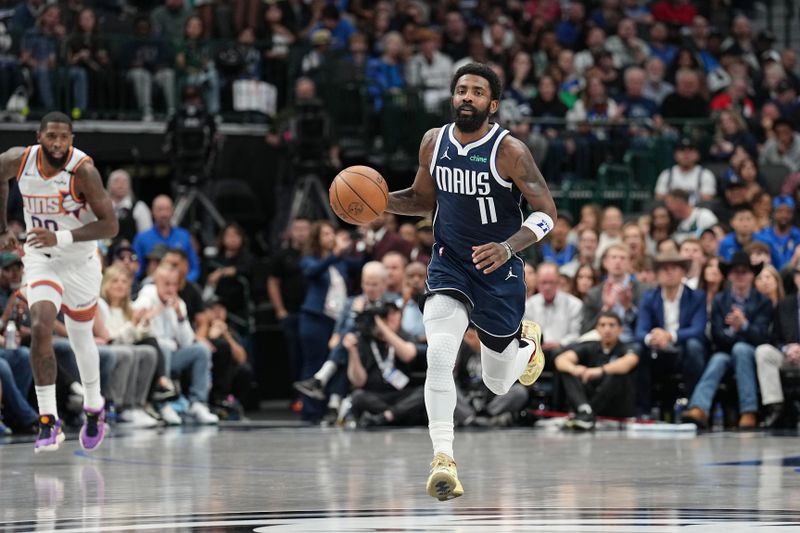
[483,202]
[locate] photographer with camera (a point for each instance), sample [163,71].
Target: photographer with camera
[331,378]
[382,364]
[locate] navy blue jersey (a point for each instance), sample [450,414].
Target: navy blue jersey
[474,204]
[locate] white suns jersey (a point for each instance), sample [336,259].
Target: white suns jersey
[51,202]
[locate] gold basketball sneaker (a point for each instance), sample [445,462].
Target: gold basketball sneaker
[443,483]
[532,333]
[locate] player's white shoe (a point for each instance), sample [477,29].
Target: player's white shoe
[532,333]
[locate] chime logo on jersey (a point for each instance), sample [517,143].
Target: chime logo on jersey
[462,181]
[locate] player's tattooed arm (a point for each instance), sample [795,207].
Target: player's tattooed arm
[89,187]
[516,163]
[9,166]
[420,198]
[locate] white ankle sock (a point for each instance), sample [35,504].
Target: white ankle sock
[82,342]
[327,371]
[46,397]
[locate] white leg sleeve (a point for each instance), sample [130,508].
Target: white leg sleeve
[82,342]
[502,369]
[446,319]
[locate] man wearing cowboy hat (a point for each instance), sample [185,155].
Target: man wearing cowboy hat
[671,328]
[740,320]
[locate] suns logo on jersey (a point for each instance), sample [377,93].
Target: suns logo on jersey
[42,205]
[63,204]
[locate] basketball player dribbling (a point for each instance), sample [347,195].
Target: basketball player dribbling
[66,211]
[467,173]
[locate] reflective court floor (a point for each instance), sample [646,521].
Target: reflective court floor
[334,480]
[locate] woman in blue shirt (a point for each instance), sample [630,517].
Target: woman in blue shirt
[325,270]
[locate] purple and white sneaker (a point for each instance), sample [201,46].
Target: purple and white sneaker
[93,429]
[50,434]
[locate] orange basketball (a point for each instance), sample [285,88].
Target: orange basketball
[358,194]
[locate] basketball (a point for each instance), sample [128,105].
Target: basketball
[358,194]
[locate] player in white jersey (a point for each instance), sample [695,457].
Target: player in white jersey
[66,211]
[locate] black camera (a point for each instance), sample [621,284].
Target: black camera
[310,130]
[365,320]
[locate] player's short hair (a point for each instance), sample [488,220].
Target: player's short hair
[485,72]
[608,314]
[55,117]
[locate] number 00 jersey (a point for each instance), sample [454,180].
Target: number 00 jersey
[51,202]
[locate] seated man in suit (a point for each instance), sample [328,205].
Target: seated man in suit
[597,374]
[740,319]
[670,330]
[783,351]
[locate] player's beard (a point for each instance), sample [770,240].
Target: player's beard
[52,160]
[470,123]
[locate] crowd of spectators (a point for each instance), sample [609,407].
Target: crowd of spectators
[636,323]
[666,304]
[637,314]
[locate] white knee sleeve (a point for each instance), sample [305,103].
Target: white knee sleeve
[502,369]
[81,339]
[446,319]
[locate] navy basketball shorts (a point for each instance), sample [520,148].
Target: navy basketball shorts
[496,300]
